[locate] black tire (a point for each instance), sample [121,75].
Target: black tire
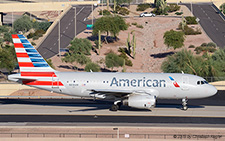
[114,108]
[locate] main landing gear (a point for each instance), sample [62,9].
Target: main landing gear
[116,105]
[184,103]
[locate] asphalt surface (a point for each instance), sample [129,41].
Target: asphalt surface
[211,22]
[113,119]
[49,46]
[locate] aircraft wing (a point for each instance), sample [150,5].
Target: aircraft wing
[121,93]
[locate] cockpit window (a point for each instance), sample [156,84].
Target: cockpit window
[201,82]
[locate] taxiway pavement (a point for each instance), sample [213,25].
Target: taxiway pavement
[208,111]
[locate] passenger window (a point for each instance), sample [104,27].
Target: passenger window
[202,82]
[206,82]
[198,83]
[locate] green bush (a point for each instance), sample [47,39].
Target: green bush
[174,39]
[143,7]
[23,24]
[204,44]
[179,13]
[128,62]
[222,7]
[33,43]
[211,44]
[206,48]
[139,26]
[92,67]
[36,34]
[4,29]
[188,30]
[134,23]
[191,46]
[35,38]
[113,60]
[173,7]
[105,12]
[41,25]
[123,11]
[191,20]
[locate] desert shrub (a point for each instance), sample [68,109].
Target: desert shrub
[174,39]
[36,34]
[210,47]
[92,67]
[105,12]
[191,46]
[211,44]
[204,44]
[173,7]
[188,30]
[23,24]
[134,23]
[128,62]
[191,20]
[179,13]
[113,60]
[41,25]
[4,29]
[143,7]
[123,11]
[33,43]
[139,26]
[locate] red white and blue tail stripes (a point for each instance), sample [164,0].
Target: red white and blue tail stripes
[34,70]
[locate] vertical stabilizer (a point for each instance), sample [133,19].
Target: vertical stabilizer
[31,63]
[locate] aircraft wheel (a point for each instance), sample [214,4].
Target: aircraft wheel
[114,108]
[185,108]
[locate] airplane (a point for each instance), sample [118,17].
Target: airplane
[137,90]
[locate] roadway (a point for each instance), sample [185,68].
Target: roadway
[201,112]
[49,46]
[210,21]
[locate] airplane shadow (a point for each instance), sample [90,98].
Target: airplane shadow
[89,104]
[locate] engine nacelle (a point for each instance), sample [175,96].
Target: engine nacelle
[140,101]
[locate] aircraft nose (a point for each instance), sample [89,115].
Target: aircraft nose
[212,90]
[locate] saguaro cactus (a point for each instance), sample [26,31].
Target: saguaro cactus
[99,41]
[134,45]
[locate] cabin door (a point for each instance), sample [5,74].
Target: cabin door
[185,82]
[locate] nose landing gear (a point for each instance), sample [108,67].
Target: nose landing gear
[184,103]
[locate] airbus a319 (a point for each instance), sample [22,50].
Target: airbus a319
[138,90]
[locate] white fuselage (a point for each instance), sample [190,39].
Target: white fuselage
[157,84]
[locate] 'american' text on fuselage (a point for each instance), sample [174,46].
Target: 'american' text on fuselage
[137,82]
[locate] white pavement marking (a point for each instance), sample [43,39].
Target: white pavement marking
[69,23]
[50,48]
[80,11]
[64,31]
[44,53]
[54,44]
[214,25]
[67,27]
[216,28]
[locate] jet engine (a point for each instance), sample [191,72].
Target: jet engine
[140,101]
